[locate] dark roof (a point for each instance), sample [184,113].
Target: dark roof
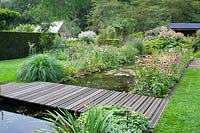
[184,25]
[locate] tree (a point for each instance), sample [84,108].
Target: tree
[109,12]
[7,17]
[184,11]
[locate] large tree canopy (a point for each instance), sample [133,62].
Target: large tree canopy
[7,17]
[129,15]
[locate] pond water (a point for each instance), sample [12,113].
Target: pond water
[110,80]
[101,81]
[16,123]
[18,117]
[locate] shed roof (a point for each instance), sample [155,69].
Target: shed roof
[55,27]
[184,25]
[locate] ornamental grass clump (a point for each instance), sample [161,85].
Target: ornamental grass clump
[40,68]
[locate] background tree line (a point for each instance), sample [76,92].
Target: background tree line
[127,15]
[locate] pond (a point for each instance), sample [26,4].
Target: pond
[117,79]
[17,117]
[16,123]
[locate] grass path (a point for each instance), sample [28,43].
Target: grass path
[8,69]
[182,114]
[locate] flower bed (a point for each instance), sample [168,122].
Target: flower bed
[156,74]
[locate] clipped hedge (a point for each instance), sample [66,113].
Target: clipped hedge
[14,45]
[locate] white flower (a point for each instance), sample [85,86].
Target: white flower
[87,36]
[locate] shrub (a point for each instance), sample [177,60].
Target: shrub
[128,53]
[139,45]
[24,28]
[46,41]
[7,17]
[40,68]
[117,120]
[88,36]
[196,44]
[108,36]
[166,40]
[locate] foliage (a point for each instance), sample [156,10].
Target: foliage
[46,41]
[139,45]
[182,112]
[138,15]
[128,53]
[7,17]
[72,11]
[108,36]
[94,121]
[63,122]
[88,36]
[166,40]
[72,27]
[179,10]
[24,28]
[40,68]
[124,26]
[84,59]
[196,44]
[105,13]
[106,119]
[58,42]
[117,121]
[157,73]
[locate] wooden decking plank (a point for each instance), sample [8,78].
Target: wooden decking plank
[35,91]
[17,88]
[149,112]
[98,102]
[7,84]
[145,105]
[61,91]
[124,99]
[158,113]
[70,106]
[10,86]
[116,99]
[132,100]
[41,93]
[108,99]
[26,89]
[73,99]
[138,103]
[68,90]
[89,101]
[61,99]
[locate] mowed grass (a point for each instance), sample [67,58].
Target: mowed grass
[182,114]
[8,70]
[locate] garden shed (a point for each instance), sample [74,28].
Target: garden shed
[185,28]
[56,27]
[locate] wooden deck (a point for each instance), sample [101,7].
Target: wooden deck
[77,98]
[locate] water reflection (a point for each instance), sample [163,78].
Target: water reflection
[17,123]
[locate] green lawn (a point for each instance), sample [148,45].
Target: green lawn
[182,114]
[8,69]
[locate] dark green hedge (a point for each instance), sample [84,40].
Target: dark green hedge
[14,45]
